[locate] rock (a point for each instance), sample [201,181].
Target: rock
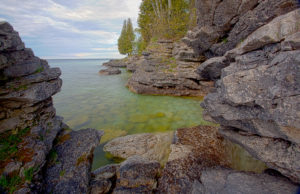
[115,63]
[149,146]
[104,179]
[110,71]
[230,181]
[211,69]
[71,172]
[137,175]
[258,95]
[194,149]
[277,154]
[167,69]
[10,39]
[275,31]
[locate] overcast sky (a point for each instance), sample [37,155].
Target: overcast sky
[70,28]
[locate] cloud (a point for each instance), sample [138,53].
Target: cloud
[59,27]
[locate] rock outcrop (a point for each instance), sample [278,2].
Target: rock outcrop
[110,71]
[158,72]
[257,96]
[29,125]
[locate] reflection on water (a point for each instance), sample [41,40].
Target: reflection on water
[88,100]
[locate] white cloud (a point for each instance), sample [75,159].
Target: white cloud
[97,22]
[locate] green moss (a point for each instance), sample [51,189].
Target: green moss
[52,157]
[81,159]
[225,40]
[9,143]
[28,173]
[39,70]
[10,184]
[22,87]
[62,173]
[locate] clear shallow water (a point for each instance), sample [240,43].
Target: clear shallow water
[88,100]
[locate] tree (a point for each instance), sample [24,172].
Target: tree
[126,39]
[122,39]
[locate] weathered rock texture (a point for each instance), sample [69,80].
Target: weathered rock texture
[158,72]
[135,175]
[193,150]
[110,71]
[69,172]
[147,145]
[228,181]
[28,121]
[258,94]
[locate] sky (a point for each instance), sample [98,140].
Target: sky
[70,29]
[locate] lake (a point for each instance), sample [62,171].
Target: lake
[88,100]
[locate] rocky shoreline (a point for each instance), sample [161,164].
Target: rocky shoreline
[243,56]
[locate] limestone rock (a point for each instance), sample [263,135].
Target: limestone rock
[229,181]
[103,179]
[137,175]
[115,63]
[194,149]
[110,71]
[70,173]
[276,153]
[147,145]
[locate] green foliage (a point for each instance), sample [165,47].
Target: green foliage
[29,173]
[9,143]
[126,39]
[10,183]
[62,173]
[39,70]
[52,157]
[166,19]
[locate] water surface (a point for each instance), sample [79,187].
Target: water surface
[88,100]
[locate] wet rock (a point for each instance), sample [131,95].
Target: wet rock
[137,175]
[70,173]
[147,145]
[230,181]
[104,179]
[110,71]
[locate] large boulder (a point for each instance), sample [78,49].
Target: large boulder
[110,71]
[68,171]
[147,145]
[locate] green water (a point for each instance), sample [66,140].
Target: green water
[88,100]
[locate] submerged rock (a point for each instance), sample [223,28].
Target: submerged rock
[147,145]
[110,71]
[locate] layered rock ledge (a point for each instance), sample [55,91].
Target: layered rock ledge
[257,97]
[31,133]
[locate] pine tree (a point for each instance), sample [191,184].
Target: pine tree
[126,39]
[129,37]
[122,39]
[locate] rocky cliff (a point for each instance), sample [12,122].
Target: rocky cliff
[257,98]
[32,136]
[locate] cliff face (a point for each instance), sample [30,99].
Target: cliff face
[29,125]
[257,96]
